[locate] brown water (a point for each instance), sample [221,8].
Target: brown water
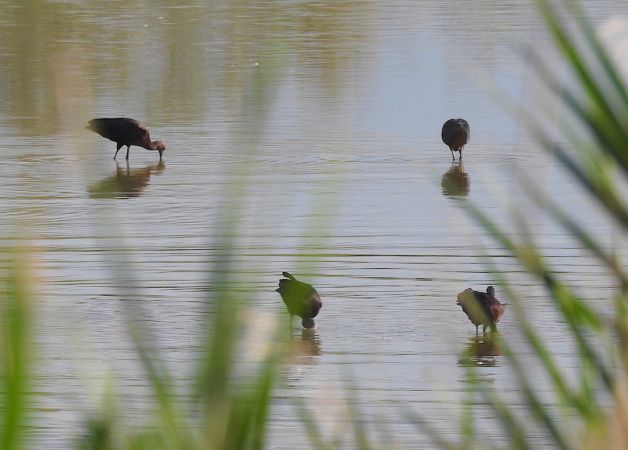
[327,116]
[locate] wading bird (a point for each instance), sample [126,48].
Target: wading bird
[124,131]
[301,299]
[455,135]
[481,308]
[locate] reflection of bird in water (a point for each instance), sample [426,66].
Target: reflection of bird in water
[124,131]
[301,299]
[481,352]
[455,181]
[455,135]
[309,344]
[126,183]
[303,349]
[481,308]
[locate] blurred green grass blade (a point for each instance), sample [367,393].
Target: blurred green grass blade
[467,428]
[589,84]
[595,121]
[360,433]
[534,263]
[573,309]
[17,350]
[220,350]
[171,422]
[312,429]
[600,188]
[172,426]
[256,407]
[510,422]
[512,426]
[598,185]
[534,404]
[598,50]
[583,403]
[263,404]
[424,425]
[575,230]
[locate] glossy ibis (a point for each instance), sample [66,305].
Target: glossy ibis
[481,308]
[455,135]
[124,131]
[301,299]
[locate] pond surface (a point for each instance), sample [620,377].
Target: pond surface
[321,122]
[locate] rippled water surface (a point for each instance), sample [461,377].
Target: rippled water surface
[321,122]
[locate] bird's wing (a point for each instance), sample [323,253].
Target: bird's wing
[296,295]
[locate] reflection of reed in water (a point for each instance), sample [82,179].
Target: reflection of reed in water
[481,352]
[455,181]
[126,183]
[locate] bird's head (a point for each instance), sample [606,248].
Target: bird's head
[307,323]
[159,146]
[490,291]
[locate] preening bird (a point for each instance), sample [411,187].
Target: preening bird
[124,131]
[481,308]
[455,134]
[301,299]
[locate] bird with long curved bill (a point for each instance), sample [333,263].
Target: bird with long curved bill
[124,131]
[482,308]
[300,298]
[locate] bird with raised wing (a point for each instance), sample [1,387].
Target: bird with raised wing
[124,131]
[482,308]
[300,298]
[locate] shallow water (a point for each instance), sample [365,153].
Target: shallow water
[322,123]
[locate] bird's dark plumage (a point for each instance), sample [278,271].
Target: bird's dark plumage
[482,308]
[455,134]
[124,131]
[301,299]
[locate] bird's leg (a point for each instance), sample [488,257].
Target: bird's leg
[453,158]
[117,150]
[476,330]
[483,330]
[461,154]
[128,147]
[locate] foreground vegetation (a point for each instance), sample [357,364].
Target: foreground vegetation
[228,411]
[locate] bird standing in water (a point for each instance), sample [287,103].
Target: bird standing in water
[455,134]
[124,131]
[301,299]
[481,308]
